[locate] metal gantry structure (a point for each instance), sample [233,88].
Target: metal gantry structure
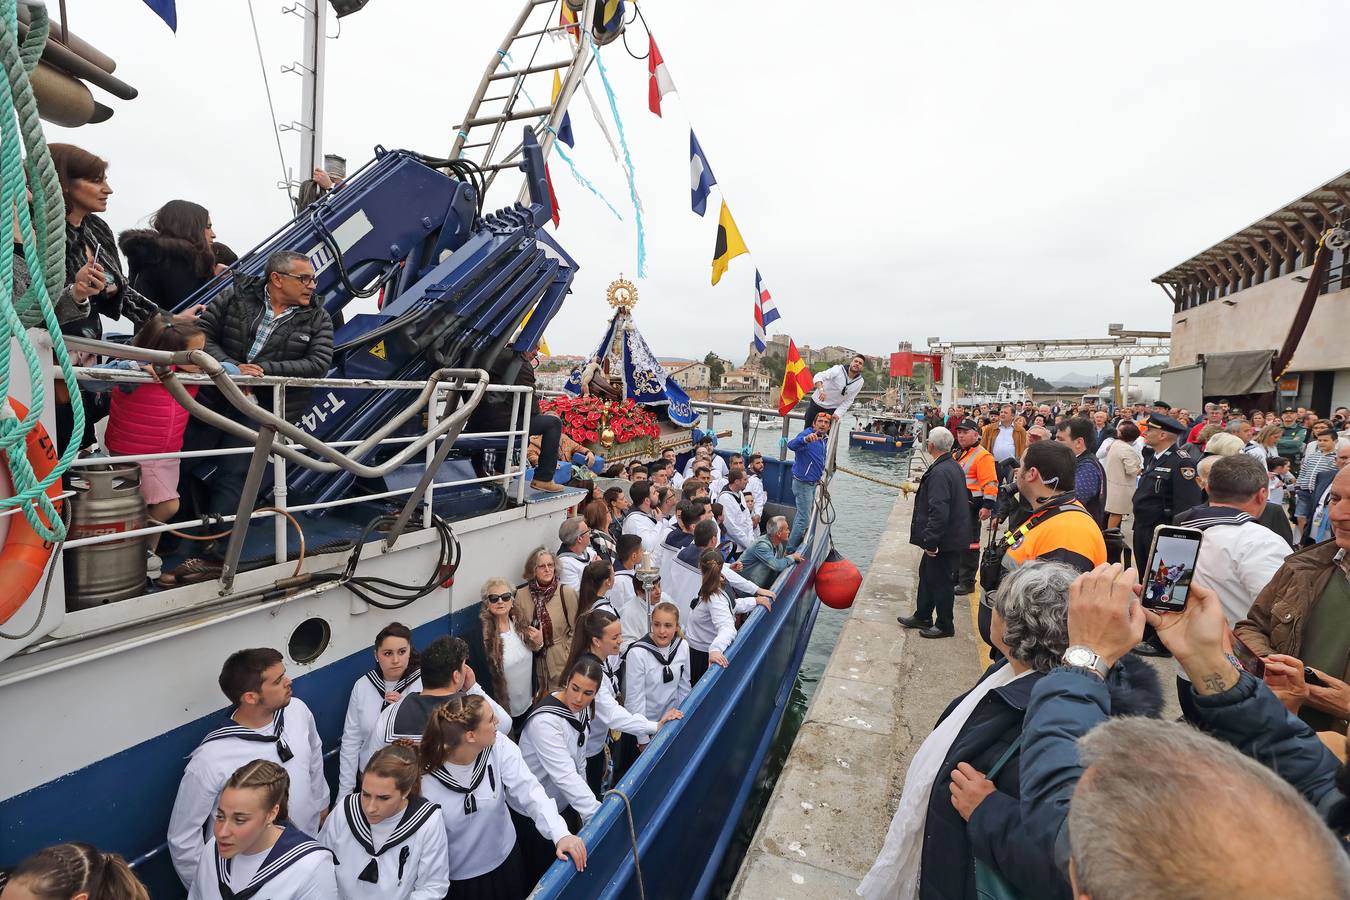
[1119,347]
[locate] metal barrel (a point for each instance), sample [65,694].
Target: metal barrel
[107,501]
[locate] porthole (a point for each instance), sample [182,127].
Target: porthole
[309,640]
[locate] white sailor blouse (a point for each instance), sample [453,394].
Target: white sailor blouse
[363,710]
[553,745]
[712,623]
[656,679]
[386,732]
[297,867]
[610,714]
[474,807]
[405,857]
[291,739]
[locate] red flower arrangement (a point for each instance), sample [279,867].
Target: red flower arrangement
[585,419]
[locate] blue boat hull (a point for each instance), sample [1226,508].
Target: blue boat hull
[688,789]
[879,443]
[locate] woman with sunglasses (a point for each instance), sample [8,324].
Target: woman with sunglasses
[509,643]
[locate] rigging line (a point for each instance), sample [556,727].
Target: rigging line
[271,108]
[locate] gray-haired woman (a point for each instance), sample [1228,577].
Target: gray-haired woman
[949,813]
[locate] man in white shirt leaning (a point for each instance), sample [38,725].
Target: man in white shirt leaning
[836,389]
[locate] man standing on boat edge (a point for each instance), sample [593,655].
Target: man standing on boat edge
[836,389]
[808,465]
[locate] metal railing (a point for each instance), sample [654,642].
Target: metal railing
[281,442]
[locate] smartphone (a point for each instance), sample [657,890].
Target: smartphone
[1171,566]
[1311,677]
[1249,661]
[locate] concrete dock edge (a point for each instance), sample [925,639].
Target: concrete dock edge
[879,697]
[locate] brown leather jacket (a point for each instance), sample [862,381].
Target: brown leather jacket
[1275,622]
[989,434]
[562,612]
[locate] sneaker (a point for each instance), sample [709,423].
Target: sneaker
[154,566]
[548,487]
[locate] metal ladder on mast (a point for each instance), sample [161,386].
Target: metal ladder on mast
[479,134]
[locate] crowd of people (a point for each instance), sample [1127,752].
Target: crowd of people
[1053,776]
[468,782]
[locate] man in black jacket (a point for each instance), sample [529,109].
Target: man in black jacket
[941,526]
[268,326]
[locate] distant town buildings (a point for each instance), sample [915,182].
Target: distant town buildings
[691,376]
[777,346]
[750,379]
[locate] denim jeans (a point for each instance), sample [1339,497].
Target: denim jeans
[804,494]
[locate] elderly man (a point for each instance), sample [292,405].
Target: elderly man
[574,551]
[1213,416]
[1319,525]
[264,326]
[768,555]
[1301,614]
[941,526]
[1132,788]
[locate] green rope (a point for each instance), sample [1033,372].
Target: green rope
[44,252]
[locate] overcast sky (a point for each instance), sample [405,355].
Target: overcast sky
[899,170]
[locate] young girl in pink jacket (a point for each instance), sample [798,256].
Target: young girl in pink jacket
[145,419]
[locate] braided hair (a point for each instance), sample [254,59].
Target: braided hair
[268,777]
[64,870]
[447,727]
[400,763]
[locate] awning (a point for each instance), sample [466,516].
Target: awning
[1233,374]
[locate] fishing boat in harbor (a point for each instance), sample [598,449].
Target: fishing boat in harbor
[382,504]
[883,434]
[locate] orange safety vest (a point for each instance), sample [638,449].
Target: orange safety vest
[981,474]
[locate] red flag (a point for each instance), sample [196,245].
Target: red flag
[567,17]
[797,381]
[552,197]
[658,78]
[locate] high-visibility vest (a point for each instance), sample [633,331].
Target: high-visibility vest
[981,474]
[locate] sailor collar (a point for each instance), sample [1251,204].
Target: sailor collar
[415,815]
[482,766]
[678,540]
[666,658]
[383,687]
[292,846]
[234,730]
[552,706]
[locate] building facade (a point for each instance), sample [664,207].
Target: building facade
[745,379]
[1243,294]
[692,377]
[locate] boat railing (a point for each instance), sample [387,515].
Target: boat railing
[282,442]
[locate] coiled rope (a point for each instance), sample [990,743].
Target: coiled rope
[44,252]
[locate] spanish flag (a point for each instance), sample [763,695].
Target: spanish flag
[729,243]
[797,381]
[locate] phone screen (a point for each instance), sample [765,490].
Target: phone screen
[1171,566]
[1249,661]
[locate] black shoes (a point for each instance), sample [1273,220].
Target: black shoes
[913,622]
[964,589]
[932,631]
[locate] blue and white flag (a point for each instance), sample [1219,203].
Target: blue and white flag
[701,178]
[765,312]
[166,10]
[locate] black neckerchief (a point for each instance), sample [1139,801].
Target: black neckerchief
[666,659]
[551,705]
[482,765]
[418,811]
[235,730]
[382,687]
[290,848]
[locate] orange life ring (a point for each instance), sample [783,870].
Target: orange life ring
[25,554]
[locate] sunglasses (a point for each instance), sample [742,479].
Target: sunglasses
[498,598]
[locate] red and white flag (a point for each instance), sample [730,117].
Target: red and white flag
[658,79]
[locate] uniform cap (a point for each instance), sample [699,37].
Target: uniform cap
[967,425]
[1165,423]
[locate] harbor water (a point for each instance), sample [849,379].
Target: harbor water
[861,509]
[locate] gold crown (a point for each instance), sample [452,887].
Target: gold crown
[622,294]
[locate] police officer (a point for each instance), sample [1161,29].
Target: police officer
[1167,486]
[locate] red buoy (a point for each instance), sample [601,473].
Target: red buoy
[837,581]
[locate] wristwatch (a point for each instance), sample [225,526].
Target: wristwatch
[1081,657]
